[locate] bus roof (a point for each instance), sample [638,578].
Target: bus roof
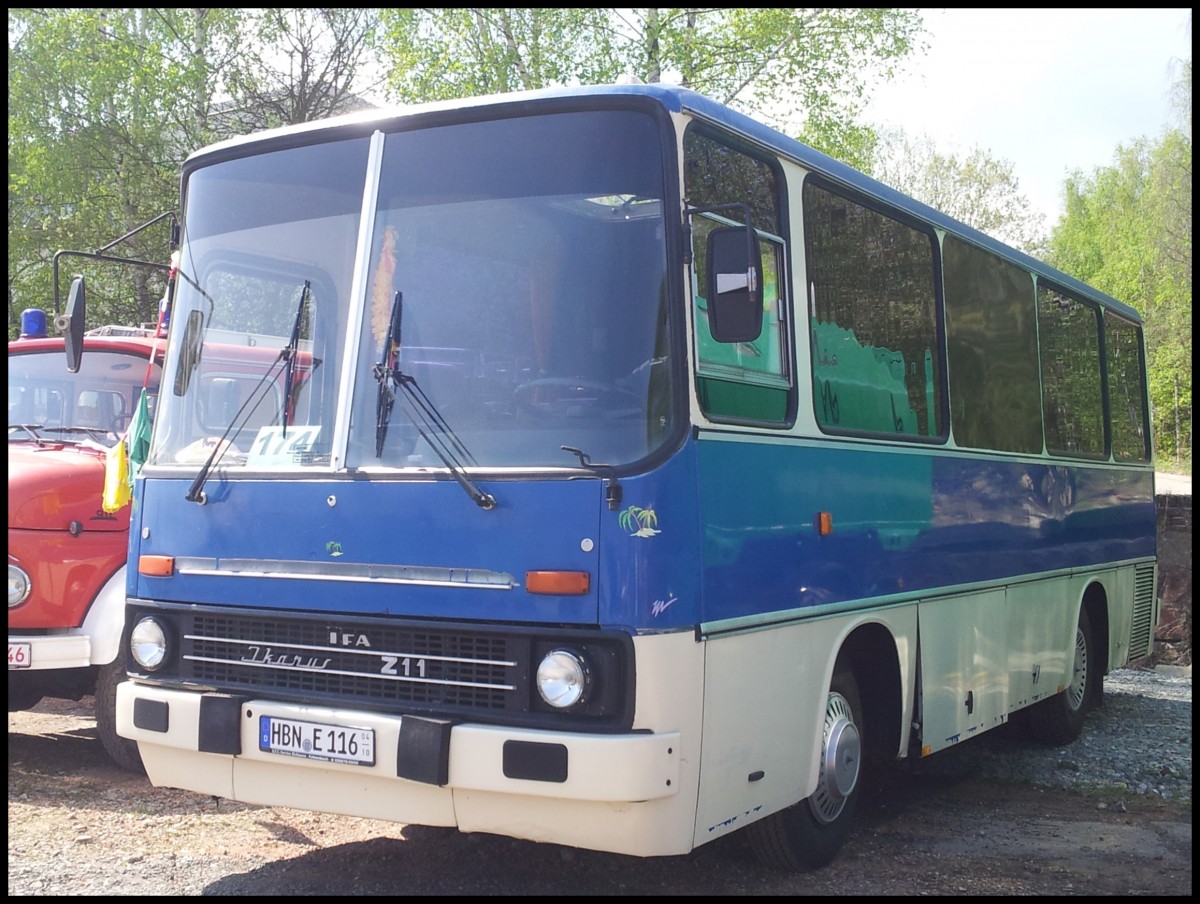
[673,99]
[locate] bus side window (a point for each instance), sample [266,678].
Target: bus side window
[747,382]
[874,319]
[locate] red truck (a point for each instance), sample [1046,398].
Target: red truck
[66,554]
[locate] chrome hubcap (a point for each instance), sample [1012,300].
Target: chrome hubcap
[840,761]
[1078,687]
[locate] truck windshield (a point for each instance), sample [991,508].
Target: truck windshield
[530,257]
[46,401]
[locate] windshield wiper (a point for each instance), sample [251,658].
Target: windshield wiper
[91,432]
[290,351]
[423,414]
[262,388]
[386,397]
[612,489]
[31,429]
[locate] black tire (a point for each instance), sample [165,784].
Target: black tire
[20,699]
[122,751]
[809,834]
[1059,720]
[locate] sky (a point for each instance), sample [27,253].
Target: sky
[1051,91]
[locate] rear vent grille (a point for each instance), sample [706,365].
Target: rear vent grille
[1141,632]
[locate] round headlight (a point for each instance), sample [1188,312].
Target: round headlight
[562,678]
[19,585]
[148,644]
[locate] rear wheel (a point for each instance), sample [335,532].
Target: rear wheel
[809,834]
[122,751]
[1059,720]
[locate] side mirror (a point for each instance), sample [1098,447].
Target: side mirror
[189,351]
[71,323]
[734,278]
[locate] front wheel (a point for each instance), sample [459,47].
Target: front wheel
[1059,720]
[123,751]
[809,834]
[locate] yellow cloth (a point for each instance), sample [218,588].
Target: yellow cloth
[116,478]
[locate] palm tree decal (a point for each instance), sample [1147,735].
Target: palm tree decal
[639,522]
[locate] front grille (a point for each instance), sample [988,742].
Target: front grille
[425,668]
[384,665]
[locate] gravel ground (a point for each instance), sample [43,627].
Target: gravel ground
[1109,814]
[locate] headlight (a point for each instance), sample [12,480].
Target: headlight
[148,644]
[19,586]
[562,678]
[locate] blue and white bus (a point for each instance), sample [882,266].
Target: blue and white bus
[601,467]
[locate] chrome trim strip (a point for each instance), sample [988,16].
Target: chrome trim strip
[315,671]
[362,572]
[344,650]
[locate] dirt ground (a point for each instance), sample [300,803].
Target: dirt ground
[78,826]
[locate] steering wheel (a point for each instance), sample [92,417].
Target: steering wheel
[119,423]
[576,397]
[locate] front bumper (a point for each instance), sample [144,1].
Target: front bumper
[616,792]
[51,651]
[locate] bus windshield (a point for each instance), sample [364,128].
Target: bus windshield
[496,287]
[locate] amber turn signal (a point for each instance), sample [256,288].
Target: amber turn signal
[558,583]
[156,566]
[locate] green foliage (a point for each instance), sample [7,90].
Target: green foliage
[99,117]
[1127,231]
[105,104]
[439,54]
[806,71]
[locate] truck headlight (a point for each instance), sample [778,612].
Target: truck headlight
[19,586]
[148,643]
[562,678]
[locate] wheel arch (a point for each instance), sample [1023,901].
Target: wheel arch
[105,619]
[1095,603]
[869,650]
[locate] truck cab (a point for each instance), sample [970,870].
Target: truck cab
[66,552]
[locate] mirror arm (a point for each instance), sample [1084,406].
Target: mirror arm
[99,254]
[735,205]
[745,211]
[96,256]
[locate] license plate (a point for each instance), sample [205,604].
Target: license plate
[20,656]
[316,741]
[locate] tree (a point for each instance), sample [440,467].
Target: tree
[440,54]
[299,65]
[1127,231]
[806,71]
[104,105]
[977,189]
